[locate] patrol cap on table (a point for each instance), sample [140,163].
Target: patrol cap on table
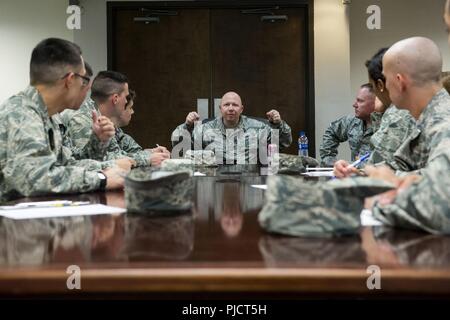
[302,208]
[294,164]
[148,190]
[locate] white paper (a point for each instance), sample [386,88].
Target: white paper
[38,213]
[319,169]
[368,220]
[319,174]
[259,186]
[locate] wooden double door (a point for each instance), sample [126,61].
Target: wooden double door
[174,57]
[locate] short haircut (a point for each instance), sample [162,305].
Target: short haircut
[375,66]
[88,68]
[446,82]
[107,83]
[52,58]
[130,97]
[367,86]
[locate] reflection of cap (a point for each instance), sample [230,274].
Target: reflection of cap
[164,237]
[301,208]
[149,189]
[281,251]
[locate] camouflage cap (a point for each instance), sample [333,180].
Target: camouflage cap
[297,207]
[176,165]
[201,157]
[294,164]
[148,189]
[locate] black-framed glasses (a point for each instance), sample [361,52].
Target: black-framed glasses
[86,80]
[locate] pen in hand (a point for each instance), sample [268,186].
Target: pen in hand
[359,161]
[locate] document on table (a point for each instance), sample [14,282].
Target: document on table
[259,186]
[318,173]
[63,211]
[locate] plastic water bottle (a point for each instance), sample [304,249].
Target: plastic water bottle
[302,144]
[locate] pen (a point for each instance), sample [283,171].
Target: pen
[360,160]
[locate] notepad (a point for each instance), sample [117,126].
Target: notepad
[53,212]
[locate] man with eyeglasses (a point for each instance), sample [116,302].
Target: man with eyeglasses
[110,97]
[32,160]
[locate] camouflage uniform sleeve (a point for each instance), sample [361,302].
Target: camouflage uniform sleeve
[423,205]
[336,133]
[285,133]
[134,150]
[85,143]
[396,126]
[32,168]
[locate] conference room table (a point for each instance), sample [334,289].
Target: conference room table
[215,250]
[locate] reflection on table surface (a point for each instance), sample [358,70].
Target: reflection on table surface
[221,231]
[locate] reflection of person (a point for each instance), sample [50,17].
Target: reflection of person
[356,129]
[396,125]
[387,246]
[232,128]
[231,217]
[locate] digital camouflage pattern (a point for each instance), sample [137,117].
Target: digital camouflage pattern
[79,128]
[241,145]
[147,190]
[348,128]
[32,156]
[297,207]
[168,237]
[85,155]
[430,137]
[396,125]
[425,204]
[201,157]
[294,164]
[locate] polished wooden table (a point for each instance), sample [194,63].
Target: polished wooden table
[215,250]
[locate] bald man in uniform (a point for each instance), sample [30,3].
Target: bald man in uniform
[233,137]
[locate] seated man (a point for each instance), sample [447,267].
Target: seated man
[233,137]
[32,161]
[356,129]
[110,98]
[103,131]
[412,69]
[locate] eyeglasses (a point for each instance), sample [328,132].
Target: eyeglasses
[86,80]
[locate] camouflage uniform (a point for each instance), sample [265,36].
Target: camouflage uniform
[248,136]
[346,128]
[429,138]
[79,126]
[425,204]
[32,160]
[85,155]
[396,125]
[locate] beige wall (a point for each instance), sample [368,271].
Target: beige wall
[331,66]
[23,23]
[422,18]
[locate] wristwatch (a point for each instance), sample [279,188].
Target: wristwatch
[103,179]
